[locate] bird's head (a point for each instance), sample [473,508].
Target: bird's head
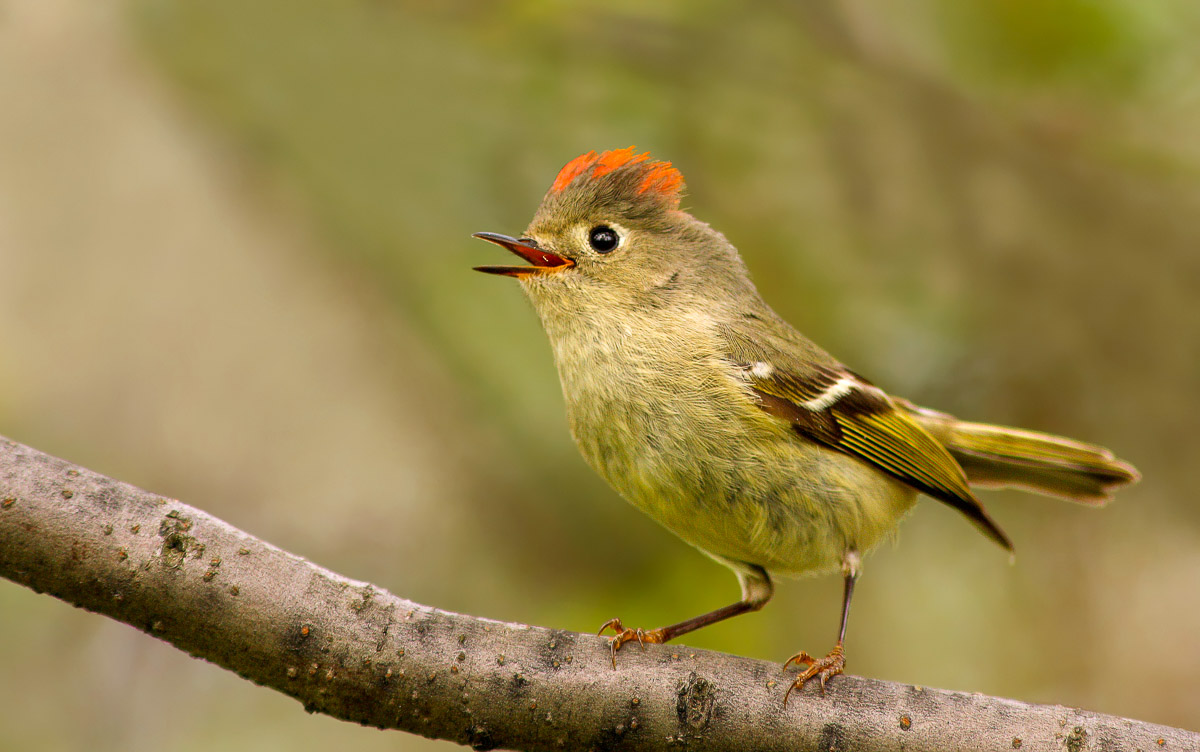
[610,230]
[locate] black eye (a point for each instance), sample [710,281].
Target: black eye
[603,238]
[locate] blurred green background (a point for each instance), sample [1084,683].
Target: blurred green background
[235,269]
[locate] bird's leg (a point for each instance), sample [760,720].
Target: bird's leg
[832,664]
[756,591]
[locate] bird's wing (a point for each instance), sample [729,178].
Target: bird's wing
[827,403]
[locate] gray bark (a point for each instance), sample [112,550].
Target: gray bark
[356,652]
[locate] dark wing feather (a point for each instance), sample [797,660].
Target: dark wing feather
[827,403]
[864,424]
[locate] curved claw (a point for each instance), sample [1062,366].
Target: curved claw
[823,668]
[798,658]
[623,636]
[613,623]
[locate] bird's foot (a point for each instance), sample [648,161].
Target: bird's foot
[822,668]
[623,635]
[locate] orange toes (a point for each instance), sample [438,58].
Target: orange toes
[624,635]
[824,668]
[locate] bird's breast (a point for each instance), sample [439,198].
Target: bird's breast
[670,424]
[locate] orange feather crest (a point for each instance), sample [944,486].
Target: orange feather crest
[659,177]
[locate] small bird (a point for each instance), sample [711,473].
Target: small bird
[711,414]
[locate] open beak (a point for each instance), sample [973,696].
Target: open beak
[527,248]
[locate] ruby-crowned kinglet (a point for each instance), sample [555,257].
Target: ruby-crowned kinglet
[708,412]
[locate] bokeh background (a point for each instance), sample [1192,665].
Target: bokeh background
[235,269]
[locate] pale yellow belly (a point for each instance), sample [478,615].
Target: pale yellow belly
[760,495]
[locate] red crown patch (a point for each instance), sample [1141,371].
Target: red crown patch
[659,177]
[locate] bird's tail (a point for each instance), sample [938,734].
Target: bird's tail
[998,457]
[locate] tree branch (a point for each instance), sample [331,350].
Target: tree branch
[356,652]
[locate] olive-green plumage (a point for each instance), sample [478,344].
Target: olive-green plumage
[707,411]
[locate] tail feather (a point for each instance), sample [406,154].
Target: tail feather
[1000,457]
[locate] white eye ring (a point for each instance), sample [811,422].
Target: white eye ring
[603,237]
